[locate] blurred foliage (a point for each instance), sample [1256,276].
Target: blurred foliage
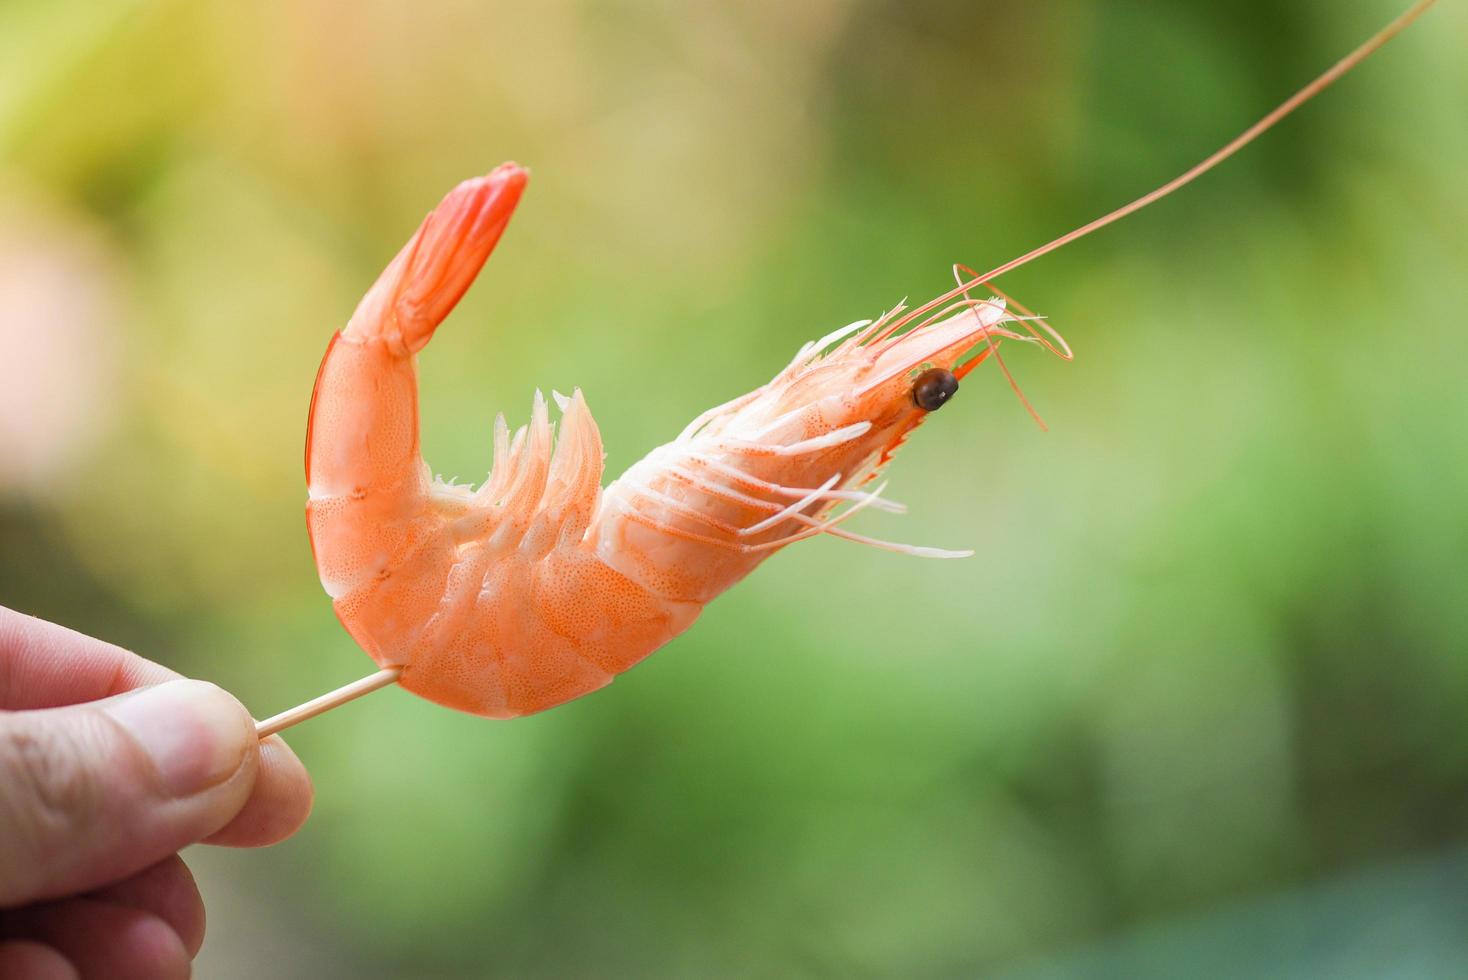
[1196,708]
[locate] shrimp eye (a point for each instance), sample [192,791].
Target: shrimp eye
[933,388]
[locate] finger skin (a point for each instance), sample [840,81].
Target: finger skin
[279,805]
[43,665]
[24,959]
[82,805]
[105,941]
[166,890]
[66,826]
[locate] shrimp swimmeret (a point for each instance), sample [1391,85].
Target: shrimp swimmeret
[541,586]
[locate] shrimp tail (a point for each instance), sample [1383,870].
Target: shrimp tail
[366,390]
[422,285]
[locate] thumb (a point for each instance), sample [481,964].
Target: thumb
[93,793]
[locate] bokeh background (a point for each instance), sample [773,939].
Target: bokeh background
[1197,708]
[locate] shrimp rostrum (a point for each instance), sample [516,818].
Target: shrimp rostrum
[540,586]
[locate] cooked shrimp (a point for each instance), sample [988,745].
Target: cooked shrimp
[540,586]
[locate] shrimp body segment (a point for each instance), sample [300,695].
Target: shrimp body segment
[539,586]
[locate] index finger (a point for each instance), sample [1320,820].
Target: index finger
[43,665]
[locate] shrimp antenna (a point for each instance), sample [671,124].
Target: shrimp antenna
[1233,146]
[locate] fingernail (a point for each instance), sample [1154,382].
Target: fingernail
[195,733]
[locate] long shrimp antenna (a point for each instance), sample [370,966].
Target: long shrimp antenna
[1229,149]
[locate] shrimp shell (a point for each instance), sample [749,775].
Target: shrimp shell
[539,587]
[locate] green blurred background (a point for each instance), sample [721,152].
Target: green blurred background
[1198,707]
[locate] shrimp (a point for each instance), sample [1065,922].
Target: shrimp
[540,586]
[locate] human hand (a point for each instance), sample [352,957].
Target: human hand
[109,764]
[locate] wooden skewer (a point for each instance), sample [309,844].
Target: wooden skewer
[327,701]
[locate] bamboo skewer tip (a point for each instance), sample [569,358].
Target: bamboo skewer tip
[331,699]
